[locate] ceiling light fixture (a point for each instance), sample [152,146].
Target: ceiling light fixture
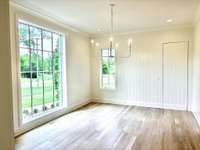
[111,38]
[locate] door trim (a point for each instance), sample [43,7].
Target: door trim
[163,76]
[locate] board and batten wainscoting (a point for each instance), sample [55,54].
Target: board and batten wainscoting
[158,74]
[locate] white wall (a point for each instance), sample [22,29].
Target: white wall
[196,73]
[139,79]
[78,69]
[6,123]
[77,58]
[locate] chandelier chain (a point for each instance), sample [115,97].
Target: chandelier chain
[111,21]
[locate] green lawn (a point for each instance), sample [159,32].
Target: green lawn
[37,91]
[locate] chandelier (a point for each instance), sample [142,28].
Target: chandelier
[111,38]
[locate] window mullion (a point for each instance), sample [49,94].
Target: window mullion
[102,85]
[30,68]
[43,101]
[53,75]
[109,72]
[61,66]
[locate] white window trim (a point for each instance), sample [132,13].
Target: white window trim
[100,77]
[40,119]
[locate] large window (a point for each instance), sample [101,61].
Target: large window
[40,56]
[108,69]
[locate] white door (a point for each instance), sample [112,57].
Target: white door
[175,76]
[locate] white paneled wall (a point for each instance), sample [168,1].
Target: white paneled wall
[139,78]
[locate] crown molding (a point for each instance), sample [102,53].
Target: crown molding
[26,6]
[44,15]
[197,15]
[169,27]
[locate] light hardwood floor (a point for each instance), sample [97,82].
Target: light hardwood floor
[114,127]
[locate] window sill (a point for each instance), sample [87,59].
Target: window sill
[42,115]
[108,89]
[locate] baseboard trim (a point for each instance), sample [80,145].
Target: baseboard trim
[36,124]
[46,119]
[134,103]
[197,117]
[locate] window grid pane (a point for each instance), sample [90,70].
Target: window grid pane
[108,70]
[41,69]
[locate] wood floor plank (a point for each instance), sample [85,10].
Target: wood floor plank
[114,127]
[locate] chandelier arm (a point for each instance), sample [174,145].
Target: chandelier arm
[111,38]
[112,5]
[98,56]
[111,25]
[129,55]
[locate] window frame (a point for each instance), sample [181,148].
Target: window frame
[19,124]
[101,74]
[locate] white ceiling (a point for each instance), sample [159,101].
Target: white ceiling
[129,15]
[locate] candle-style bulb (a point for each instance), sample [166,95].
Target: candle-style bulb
[116,45]
[111,39]
[130,41]
[97,44]
[92,41]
